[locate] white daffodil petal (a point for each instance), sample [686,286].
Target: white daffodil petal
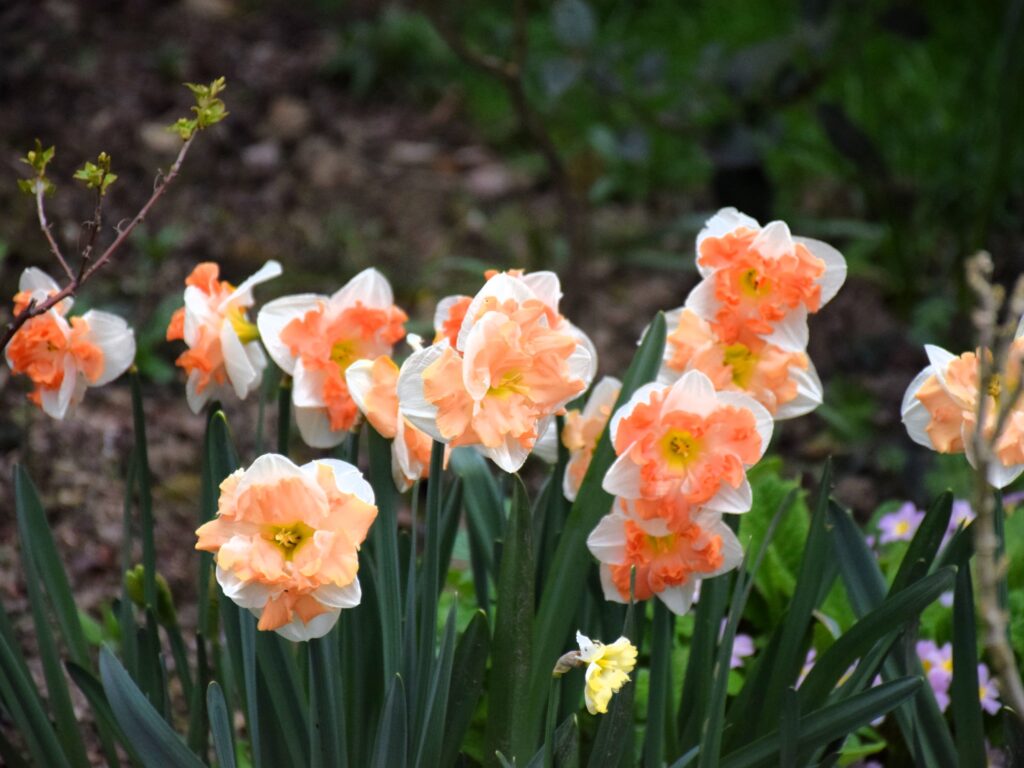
[835,267]
[607,542]
[611,592]
[678,599]
[791,333]
[115,340]
[809,393]
[298,632]
[334,596]
[369,287]
[275,316]
[412,404]
[242,295]
[314,423]
[240,370]
[915,416]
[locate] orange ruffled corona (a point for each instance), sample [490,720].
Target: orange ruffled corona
[940,409]
[515,365]
[286,541]
[315,339]
[224,354]
[762,280]
[61,358]
[374,388]
[583,430]
[688,439]
[668,561]
[782,381]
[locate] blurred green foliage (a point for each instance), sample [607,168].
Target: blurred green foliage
[900,115]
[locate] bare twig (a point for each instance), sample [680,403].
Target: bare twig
[89,269]
[45,226]
[995,360]
[94,224]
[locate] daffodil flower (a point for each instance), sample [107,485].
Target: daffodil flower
[762,279]
[583,429]
[783,381]
[224,354]
[608,668]
[63,358]
[315,338]
[940,409]
[670,548]
[688,439]
[373,385]
[286,541]
[515,364]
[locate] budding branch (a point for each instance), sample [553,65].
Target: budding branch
[87,270]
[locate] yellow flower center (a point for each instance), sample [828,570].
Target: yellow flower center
[288,538]
[995,385]
[902,527]
[661,545]
[680,448]
[343,354]
[246,330]
[510,383]
[753,284]
[743,361]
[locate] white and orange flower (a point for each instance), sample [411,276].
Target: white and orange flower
[940,409]
[373,385]
[315,339]
[762,279]
[669,559]
[224,354]
[582,431]
[64,358]
[783,381]
[286,542]
[516,363]
[688,439]
[34,285]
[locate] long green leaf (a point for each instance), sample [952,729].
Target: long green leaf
[920,720]
[26,708]
[789,728]
[383,544]
[901,608]
[483,504]
[967,717]
[92,689]
[468,673]
[827,723]
[27,504]
[431,737]
[36,533]
[220,726]
[925,544]
[810,591]
[570,565]
[509,718]
[277,668]
[391,747]
[660,678]
[430,583]
[700,665]
[327,726]
[156,743]
[714,724]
